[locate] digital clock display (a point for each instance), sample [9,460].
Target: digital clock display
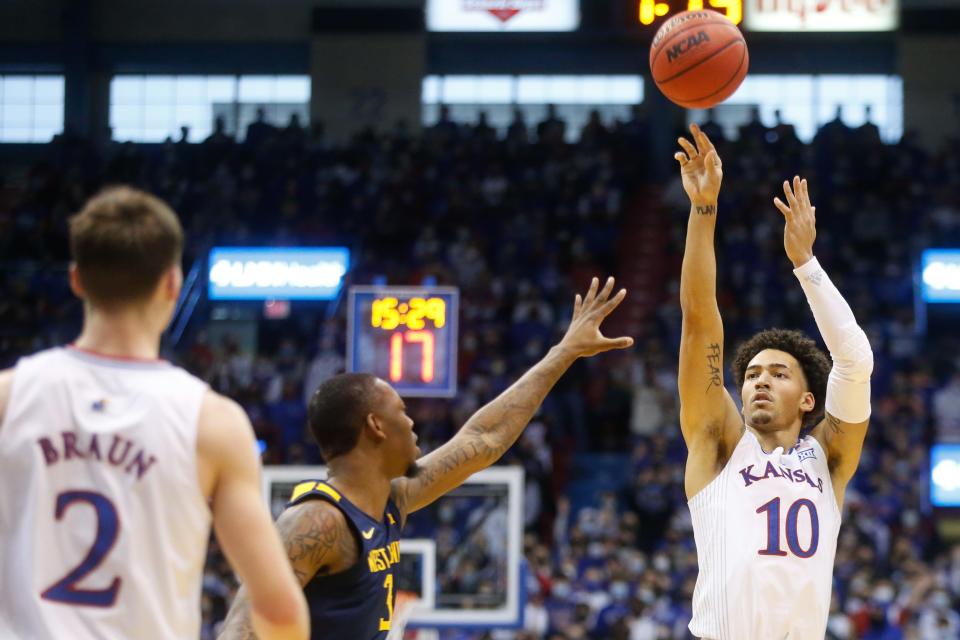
[406,336]
[649,11]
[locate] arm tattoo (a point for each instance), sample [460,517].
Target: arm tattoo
[707,210]
[475,448]
[317,540]
[487,434]
[238,625]
[713,366]
[833,424]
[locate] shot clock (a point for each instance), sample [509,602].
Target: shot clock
[406,336]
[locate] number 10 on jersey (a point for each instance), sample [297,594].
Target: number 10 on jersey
[406,336]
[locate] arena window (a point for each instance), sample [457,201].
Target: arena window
[152,108]
[574,97]
[810,101]
[31,108]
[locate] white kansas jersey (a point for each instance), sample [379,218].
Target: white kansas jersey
[103,524]
[766,533]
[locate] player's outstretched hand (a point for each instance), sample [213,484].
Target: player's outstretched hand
[583,336]
[800,229]
[700,169]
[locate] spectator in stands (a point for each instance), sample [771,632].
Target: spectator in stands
[552,129]
[259,130]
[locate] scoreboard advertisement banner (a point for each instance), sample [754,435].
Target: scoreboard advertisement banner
[276,273]
[945,475]
[821,15]
[940,275]
[406,336]
[758,16]
[503,15]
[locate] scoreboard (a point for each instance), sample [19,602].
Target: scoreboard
[406,336]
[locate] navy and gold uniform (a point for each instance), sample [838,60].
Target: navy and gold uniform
[356,604]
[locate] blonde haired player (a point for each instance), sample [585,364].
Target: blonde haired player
[765,489]
[114,463]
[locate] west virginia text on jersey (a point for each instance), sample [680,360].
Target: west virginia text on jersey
[356,604]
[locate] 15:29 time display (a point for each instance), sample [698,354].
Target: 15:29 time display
[649,10]
[389,313]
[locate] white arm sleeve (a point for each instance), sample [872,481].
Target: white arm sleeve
[848,387]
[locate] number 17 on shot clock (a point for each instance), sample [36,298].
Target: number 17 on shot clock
[406,336]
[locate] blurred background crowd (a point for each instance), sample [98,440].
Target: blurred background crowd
[520,220]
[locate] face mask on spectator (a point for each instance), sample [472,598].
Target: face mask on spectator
[940,601]
[661,563]
[883,594]
[446,514]
[647,596]
[910,519]
[561,590]
[619,591]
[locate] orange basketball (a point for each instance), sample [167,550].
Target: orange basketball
[698,59]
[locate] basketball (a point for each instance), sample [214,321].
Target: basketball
[698,59]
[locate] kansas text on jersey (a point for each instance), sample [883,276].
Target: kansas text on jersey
[766,532]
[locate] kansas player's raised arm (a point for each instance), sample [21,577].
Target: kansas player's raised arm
[230,476]
[317,541]
[847,403]
[708,417]
[496,426]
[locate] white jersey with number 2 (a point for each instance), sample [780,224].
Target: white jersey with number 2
[103,524]
[766,533]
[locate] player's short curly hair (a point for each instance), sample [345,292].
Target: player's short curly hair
[337,412]
[814,362]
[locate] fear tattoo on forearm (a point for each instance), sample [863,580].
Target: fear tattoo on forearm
[713,366]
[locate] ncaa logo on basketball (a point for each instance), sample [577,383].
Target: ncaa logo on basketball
[683,46]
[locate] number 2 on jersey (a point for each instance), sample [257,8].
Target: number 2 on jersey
[108,527]
[388,585]
[772,510]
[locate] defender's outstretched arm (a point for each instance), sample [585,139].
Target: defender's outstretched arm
[496,426]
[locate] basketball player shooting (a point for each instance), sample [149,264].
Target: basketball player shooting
[343,534]
[765,488]
[115,464]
